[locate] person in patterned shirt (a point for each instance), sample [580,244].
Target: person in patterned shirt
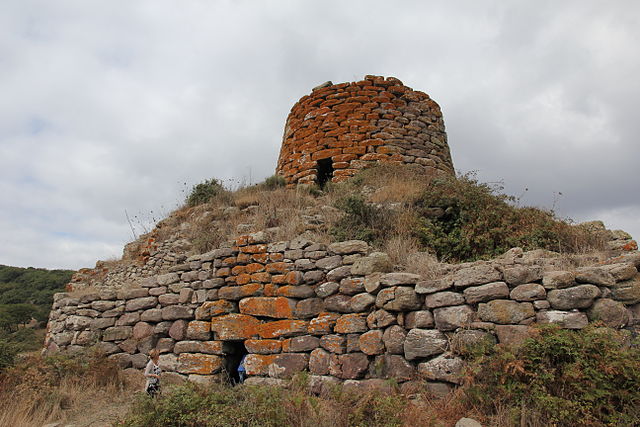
[152,373]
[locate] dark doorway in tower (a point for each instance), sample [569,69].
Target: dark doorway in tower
[235,353]
[325,172]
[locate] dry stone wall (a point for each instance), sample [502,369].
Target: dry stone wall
[336,311]
[341,128]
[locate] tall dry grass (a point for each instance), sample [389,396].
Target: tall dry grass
[40,390]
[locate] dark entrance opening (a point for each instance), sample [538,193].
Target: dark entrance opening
[325,172]
[235,352]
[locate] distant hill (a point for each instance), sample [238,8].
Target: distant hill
[32,286]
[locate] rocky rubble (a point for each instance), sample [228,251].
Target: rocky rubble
[337,311]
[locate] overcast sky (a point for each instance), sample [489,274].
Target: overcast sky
[114,106]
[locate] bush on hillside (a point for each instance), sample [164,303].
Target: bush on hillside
[362,220]
[8,352]
[271,183]
[205,192]
[474,220]
[564,378]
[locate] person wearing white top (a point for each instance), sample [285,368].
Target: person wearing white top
[152,373]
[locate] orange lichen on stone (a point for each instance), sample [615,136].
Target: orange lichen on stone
[275,307]
[196,363]
[283,328]
[263,346]
[258,364]
[323,324]
[234,327]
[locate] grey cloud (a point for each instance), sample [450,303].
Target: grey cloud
[108,107]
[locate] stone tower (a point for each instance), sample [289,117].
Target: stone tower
[340,128]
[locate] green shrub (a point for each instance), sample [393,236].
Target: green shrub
[205,192]
[463,220]
[273,182]
[8,352]
[564,378]
[362,220]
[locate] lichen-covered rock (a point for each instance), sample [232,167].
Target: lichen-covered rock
[338,303]
[393,339]
[477,275]
[451,318]
[287,365]
[622,271]
[595,276]
[211,309]
[434,285]
[349,366]
[418,319]
[565,319]
[371,342]
[263,346]
[334,343]
[323,323]
[627,292]
[177,330]
[308,308]
[327,289]
[116,333]
[528,292]
[380,319]
[234,326]
[612,313]
[258,364]
[299,344]
[362,302]
[142,330]
[277,308]
[393,366]
[283,328]
[521,274]
[398,298]
[484,293]
[351,323]
[558,279]
[445,367]
[375,262]
[174,312]
[580,296]
[505,312]
[198,330]
[349,247]
[420,343]
[319,362]
[399,279]
[443,299]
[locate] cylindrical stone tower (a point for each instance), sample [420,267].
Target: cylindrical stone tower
[341,128]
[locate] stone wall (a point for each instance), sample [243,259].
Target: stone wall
[337,311]
[357,124]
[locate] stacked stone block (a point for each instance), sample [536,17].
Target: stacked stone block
[361,123]
[337,311]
